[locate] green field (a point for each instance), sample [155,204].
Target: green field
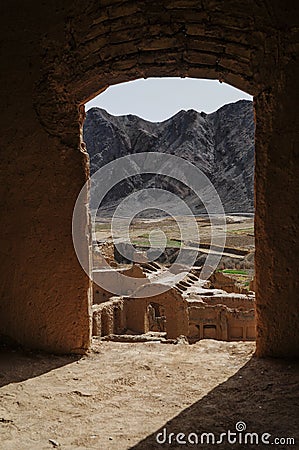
[234,271]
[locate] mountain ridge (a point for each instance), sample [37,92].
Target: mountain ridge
[220,143]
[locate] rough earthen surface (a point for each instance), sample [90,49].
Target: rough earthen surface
[55,56]
[122,395]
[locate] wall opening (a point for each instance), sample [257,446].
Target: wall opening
[157,320]
[219,139]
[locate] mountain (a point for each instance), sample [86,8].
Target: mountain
[221,144]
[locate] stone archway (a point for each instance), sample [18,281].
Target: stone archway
[249,45]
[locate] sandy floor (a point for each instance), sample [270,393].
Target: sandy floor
[121,395]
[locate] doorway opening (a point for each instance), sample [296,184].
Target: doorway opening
[219,141]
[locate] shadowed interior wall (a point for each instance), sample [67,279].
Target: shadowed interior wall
[57,56]
[277,217]
[44,291]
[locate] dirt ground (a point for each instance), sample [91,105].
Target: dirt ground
[121,395]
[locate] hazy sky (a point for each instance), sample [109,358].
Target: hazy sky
[157,99]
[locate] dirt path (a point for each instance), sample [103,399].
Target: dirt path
[118,397]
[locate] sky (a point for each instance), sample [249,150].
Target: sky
[157,99]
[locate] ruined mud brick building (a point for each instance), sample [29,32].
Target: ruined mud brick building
[189,308]
[57,55]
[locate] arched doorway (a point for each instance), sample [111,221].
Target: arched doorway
[117,42]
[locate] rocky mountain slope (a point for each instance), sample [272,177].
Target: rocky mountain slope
[221,144]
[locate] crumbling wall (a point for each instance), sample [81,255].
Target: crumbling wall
[99,294]
[235,301]
[220,322]
[227,317]
[109,317]
[114,278]
[174,305]
[228,284]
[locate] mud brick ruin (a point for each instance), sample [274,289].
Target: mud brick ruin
[188,309]
[56,56]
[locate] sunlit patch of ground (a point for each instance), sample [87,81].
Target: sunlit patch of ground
[121,394]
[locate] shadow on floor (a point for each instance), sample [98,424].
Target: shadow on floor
[18,365]
[263,395]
